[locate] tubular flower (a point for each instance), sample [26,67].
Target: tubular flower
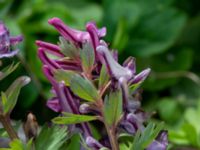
[83,54]
[160,143]
[7,42]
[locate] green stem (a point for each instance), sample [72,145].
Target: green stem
[8,127]
[110,130]
[112,137]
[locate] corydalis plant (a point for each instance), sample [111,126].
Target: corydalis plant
[89,84]
[8,98]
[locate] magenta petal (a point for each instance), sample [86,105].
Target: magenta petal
[3,29]
[47,61]
[51,48]
[101,32]
[54,104]
[16,39]
[69,33]
[93,31]
[9,54]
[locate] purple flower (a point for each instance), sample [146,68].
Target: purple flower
[127,71]
[54,104]
[160,143]
[67,57]
[93,143]
[7,42]
[78,37]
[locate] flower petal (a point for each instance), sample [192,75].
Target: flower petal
[114,68]
[160,143]
[51,48]
[9,54]
[141,76]
[54,104]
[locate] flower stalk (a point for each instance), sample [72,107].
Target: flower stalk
[5,120]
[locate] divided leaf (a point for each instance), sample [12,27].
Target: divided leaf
[87,57]
[9,98]
[68,48]
[17,144]
[64,75]
[113,107]
[69,118]
[51,138]
[83,88]
[143,139]
[8,70]
[104,77]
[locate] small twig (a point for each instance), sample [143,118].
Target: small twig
[103,89]
[8,127]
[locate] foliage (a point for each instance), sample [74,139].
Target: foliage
[161,34]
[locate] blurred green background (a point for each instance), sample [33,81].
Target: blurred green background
[162,34]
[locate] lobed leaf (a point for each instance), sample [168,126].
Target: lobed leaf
[68,48]
[9,98]
[51,138]
[64,75]
[8,70]
[87,57]
[104,77]
[83,88]
[144,138]
[69,118]
[113,107]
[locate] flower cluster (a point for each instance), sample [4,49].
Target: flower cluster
[7,42]
[86,78]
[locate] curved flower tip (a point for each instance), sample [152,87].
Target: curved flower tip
[69,33]
[6,42]
[16,39]
[92,143]
[114,68]
[130,64]
[51,48]
[100,32]
[54,104]
[139,78]
[47,61]
[160,143]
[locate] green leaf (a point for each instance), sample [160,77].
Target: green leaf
[134,87]
[87,57]
[69,118]
[52,138]
[113,107]
[191,134]
[104,77]
[143,139]
[64,75]
[17,144]
[8,70]
[83,88]
[12,93]
[68,48]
